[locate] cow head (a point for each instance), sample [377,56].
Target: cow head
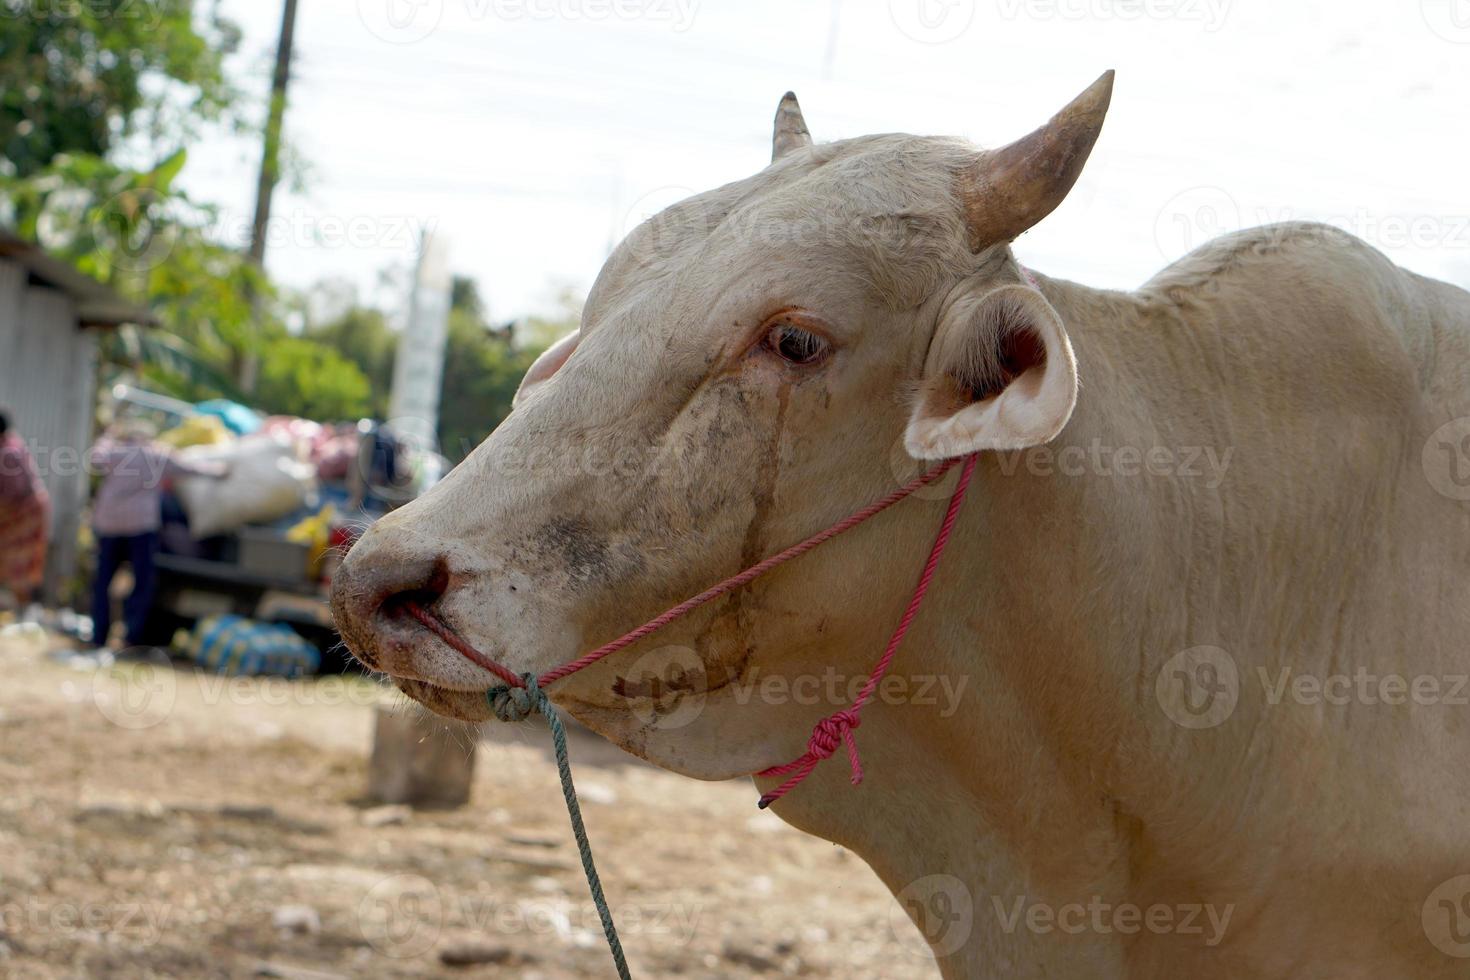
[753,364]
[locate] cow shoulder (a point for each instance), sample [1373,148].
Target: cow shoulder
[1318,302]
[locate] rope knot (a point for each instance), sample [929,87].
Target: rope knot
[515,703]
[831,732]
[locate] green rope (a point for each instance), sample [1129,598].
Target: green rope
[516,703]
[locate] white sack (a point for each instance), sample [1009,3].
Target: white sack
[266,482]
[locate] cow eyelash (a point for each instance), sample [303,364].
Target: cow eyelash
[794,344]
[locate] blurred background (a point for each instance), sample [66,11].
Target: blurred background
[288,260]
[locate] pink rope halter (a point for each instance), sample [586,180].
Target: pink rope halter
[830,732]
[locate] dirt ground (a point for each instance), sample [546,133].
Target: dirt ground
[156,822]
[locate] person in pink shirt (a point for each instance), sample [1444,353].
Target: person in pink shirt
[126,516]
[25,517]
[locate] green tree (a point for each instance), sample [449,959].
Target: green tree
[135,231]
[481,373]
[362,335]
[484,364]
[306,378]
[85,85]
[82,76]
[464,294]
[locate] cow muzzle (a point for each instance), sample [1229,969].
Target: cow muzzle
[389,570]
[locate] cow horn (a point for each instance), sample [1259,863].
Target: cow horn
[1008,190]
[791,131]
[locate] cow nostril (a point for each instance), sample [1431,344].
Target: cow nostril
[384,573]
[396,608]
[374,587]
[425,594]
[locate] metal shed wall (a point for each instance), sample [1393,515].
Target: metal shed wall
[47,378]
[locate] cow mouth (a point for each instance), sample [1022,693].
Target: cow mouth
[424,617]
[470,706]
[420,664]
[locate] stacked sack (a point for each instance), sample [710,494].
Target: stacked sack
[236,645]
[266,481]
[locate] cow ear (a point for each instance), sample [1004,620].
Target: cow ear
[546,365]
[1000,375]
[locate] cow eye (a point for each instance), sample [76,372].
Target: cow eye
[795,345]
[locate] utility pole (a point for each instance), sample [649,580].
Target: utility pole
[270,171]
[270,158]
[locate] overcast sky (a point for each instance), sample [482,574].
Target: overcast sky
[534,133]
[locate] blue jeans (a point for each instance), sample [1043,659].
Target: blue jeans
[139,551]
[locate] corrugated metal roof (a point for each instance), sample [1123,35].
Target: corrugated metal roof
[97,305]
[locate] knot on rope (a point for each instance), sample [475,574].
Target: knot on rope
[827,734]
[831,732]
[515,703]
[835,730]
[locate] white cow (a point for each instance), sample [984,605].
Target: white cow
[1203,625]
